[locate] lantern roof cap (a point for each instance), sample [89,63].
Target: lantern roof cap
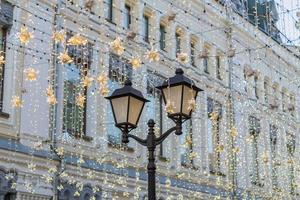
[178,79]
[127,90]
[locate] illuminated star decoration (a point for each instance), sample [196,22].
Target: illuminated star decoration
[87,81]
[219,148]
[193,155]
[59,36]
[24,35]
[16,102]
[152,55]
[188,141]
[233,132]
[182,57]
[77,40]
[64,58]
[49,90]
[104,91]
[265,157]
[31,74]
[170,107]
[2,59]
[136,63]
[192,104]
[214,116]
[60,151]
[102,79]
[117,46]
[51,100]
[80,100]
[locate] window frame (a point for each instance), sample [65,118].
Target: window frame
[266,91]
[218,67]
[178,43]
[193,53]
[162,37]
[4,32]
[110,13]
[205,65]
[127,16]
[154,93]
[273,148]
[215,160]
[77,54]
[283,100]
[256,92]
[146,24]
[116,81]
[188,162]
[254,129]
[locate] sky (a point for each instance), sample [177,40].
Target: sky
[287,10]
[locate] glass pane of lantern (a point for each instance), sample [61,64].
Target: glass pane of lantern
[188,100]
[173,97]
[120,106]
[135,109]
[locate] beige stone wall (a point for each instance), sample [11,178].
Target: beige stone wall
[31,123]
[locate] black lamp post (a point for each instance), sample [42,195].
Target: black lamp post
[179,94]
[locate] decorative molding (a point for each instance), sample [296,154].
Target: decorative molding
[111,169]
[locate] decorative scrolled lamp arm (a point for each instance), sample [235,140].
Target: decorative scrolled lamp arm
[127,115]
[157,140]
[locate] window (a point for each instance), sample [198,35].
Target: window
[10,196]
[74,114]
[193,60]
[2,66]
[292,104]
[109,13]
[283,100]
[162,37]
[146,28]
[291,146]
[119,71]
[214,111]
[178,43]
[205,60]
[273,144]
[245,81]
[266,89]
[256,87]
[6,191]
[254,129]
[155,106]
[187,154]
[205,64]
[127,17]
[86,192]
[218,67]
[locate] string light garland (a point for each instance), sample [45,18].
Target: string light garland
[119,45]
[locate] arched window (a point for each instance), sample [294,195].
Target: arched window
[6,192]
[87,193]
[67,193]
[10,196]
[98,196]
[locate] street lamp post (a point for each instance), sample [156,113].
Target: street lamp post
[179,94]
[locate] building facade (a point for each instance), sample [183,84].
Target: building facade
[57,135]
